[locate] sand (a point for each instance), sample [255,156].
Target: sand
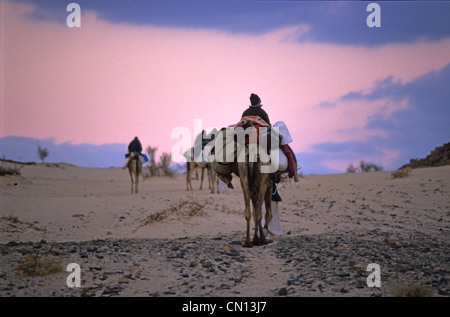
[334,226]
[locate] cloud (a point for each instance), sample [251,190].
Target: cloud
[24,149]
[411,120]
[332,22]
[113,79]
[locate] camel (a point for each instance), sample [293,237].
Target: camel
[134,168]
[192,164]
[256,188]
[212,177]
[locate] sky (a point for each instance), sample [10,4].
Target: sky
[346,91]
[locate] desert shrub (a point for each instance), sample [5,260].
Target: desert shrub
[38,265]
[411,290]
[164,164]
[7,170]
[183,208]
[152,167]
[401,173]
[369,167]
[42,153]
[11,218]
[364,168]
[351,169]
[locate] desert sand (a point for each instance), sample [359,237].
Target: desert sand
[166,241]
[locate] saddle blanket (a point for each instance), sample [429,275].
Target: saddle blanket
[142,157]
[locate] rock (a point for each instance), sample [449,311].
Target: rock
[292,282]
[123,280]
[111,290]
[283,291]
[169,293]
[443,292]
[440,156]
[343,290]
[207,264]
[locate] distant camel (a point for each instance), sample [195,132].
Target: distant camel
[134,168]
[212,177]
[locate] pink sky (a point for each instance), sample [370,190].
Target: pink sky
[106,83]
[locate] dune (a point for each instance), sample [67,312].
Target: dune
[166,241]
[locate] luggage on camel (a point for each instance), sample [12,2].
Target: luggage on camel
[282,156]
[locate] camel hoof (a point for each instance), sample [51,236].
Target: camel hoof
[256,241]
[247,244]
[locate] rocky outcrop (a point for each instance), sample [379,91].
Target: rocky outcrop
[440,156]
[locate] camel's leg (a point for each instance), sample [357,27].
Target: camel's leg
[212,179]
[136,183]
[248,215]
[268,201]
[188,175]
[189,169]
[262,191]
[132,182]
[243,171]
[130,170]
[216,181]
[203,174]
[254,198]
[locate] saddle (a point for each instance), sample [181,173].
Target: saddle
[142,157]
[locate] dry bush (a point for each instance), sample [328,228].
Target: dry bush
[164,164]
[6,170]
[184,208]
[15,222]
[411,290]
[11,218]
[229,211]
[38,265]
[401,173]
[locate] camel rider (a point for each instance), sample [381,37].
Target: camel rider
[135,149]
[255,109]
[135,146]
